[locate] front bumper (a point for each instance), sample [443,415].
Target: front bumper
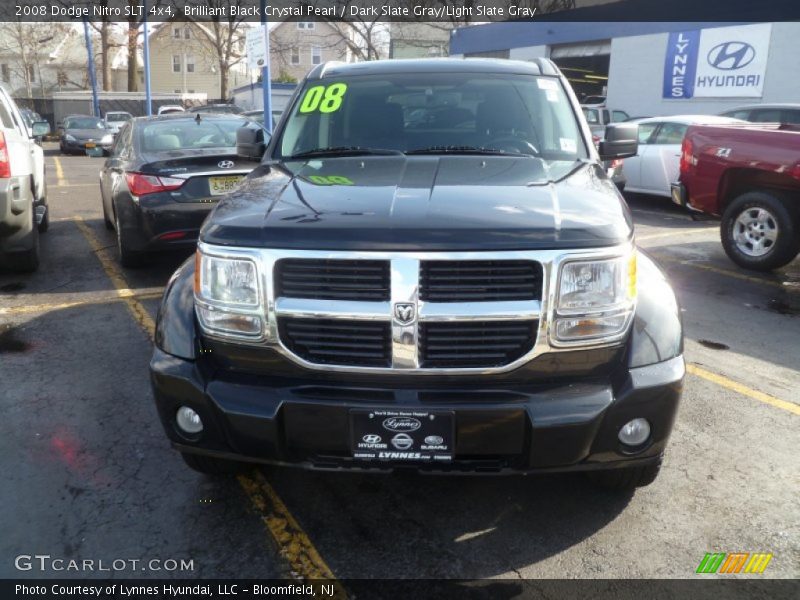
[530,428]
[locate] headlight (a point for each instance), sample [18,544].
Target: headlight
[70,138]
[107,139]
[227,296]
[595,299]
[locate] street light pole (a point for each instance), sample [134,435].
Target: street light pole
[266,85]
[146,42]
[92,76]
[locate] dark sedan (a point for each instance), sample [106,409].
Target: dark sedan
[80,133]
[164,175]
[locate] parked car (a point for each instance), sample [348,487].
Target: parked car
[599,116]
[230,109]
[748,176]
[376,296]
[163,176]
[767,113]
[83,132]
[258,116]
[23,188]
[169,109]
[114,120]
[593,100]
[655,167]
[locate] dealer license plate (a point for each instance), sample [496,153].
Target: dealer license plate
[402,435]
[222,185]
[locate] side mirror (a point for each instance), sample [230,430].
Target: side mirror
[621,141]
[250,142]
[40,128]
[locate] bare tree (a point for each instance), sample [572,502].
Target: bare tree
[29,42]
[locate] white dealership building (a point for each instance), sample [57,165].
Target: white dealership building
[655,68]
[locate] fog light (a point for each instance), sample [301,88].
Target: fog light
[635,433]
[188,420]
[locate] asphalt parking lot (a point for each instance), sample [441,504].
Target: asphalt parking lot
[88,473]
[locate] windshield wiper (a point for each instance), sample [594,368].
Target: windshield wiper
[464,150]
[343,151]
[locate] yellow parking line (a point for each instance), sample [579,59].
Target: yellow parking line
[45,308]
[293,543]
[661,258]
[739,388]
[136,308]
[59,170]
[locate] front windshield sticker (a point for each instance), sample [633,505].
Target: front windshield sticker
[546,84]
[568,145]
[552,95]
[326,99]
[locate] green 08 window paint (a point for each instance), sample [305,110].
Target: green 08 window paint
[326,99]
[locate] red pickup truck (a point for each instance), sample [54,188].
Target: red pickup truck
[749,176]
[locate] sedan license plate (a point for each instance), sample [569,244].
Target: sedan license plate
[218,186]
[402,435]
[90,145]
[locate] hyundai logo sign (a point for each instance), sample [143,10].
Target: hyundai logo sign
[730,56]
[225,164]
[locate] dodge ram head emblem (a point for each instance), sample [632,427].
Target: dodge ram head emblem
[404,312]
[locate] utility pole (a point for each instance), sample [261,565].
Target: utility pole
[266,84]
[92,76]
[148,95]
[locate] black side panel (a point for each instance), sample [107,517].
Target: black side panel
[175,327]
[657,333]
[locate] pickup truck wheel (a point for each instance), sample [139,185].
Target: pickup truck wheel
[627,478]
[210,465]
[758,232]
[127,257]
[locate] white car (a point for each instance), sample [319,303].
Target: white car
[170,108]
[114,120]
[655,166]
[23,192]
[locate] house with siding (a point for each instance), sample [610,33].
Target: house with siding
[296,46]
[183,59]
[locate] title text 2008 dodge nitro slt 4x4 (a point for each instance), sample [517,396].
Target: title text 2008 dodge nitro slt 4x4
[429,269]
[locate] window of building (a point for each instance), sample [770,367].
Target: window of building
[316,55]
[187,33]
[295,56]
[176,63]
[176,33]
[177,91]
[6,72]
[189,63]
[305,25]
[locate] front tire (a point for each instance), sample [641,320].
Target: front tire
[211,465]
[627,478]
[759,232]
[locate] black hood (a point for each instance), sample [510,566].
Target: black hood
[430,202]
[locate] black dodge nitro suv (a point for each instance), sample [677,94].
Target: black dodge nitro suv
[429,269]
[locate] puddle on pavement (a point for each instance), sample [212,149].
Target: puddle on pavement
[9,342]
[14,286]
[714,345]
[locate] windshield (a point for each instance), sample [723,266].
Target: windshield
[185,134]
[118,117]
[434,113]
[83,123]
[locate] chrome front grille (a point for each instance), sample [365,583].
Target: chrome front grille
[407,314]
